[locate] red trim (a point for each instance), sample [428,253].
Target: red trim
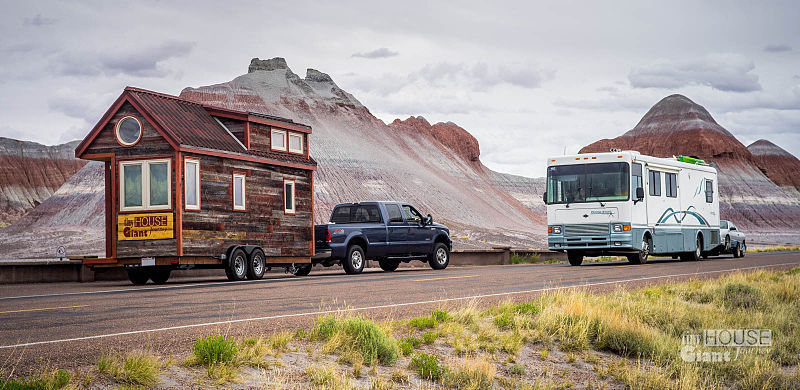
[244,190]
[244,157]
[137,158]
[109,210]
[313,239]
[294,197]
[199,200]
[114,205]
[244,116]
[98,156]
[178,201]
[247,135]
[116,131]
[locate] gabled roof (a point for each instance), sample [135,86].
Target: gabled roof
[190,126]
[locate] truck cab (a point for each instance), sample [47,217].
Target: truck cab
[625,203]
[389,232]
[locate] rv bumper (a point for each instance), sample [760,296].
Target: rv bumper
[612,242]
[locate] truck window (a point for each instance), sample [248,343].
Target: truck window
[671,184]
[655,183]
[723,224]
[709,191]
[411,213]
[636,172]
[356,214]
[394,213]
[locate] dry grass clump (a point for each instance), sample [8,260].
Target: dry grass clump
[136,368]
[346,334]
[46,379]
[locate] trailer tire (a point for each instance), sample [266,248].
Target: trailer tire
[138,276]
[300,269]
[160,276]
[237,266]
[389,265]
[256,265]
[575,258]
[642,255]
[354,262]
[440,257]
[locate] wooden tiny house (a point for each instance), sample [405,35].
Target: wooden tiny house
[194,186]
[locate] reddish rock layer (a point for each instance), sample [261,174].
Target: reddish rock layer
[447,134]
[780,166]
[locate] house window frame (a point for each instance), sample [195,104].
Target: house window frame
[145,164]
[289,143]
[293,209]
[234,176]
[186,163]
[116,131]
[285,140]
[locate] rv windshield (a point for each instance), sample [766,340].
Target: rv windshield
[580,183]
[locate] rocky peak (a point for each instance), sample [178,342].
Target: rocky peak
[271,64]
[448,134]
[677,113]
[317,76]
[763,147]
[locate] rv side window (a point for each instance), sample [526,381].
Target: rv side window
[637,177]
[709,191]
[671,184]
[655,183]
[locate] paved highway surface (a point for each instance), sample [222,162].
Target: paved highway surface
[71,324]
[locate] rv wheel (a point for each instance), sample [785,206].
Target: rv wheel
[644,253]
[237,266]
[160,276]
[256,265]
[575,258]
[138,276]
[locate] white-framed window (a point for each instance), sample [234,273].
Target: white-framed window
[296,143]
[191,184]
[128,131]
[278,140]
[288,197]
[145,185]
[238,192]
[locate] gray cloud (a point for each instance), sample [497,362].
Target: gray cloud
[777,48]
[39,20]
[481,76]
[377,53]
[721,71]
[140,62]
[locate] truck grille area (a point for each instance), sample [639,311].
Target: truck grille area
[588,229]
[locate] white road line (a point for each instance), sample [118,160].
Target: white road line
[366,308]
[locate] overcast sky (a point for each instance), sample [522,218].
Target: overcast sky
[527,79]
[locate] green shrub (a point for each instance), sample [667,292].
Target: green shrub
[214,349]
[444,316]
[517,369]
[360,334]
[738,295]
[526,308]
[43,381]
[430,337]
[503,321]
[427,366]
[524,259]
[408,344]
[422,323]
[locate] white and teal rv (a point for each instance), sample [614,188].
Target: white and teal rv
[624,203]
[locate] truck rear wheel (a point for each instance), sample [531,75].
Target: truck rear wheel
[138,276]
[440,257]
[160,276]
[389,265]
[355,261]
[575,258]
[256,265]
[237,266]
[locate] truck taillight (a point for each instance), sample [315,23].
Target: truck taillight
[328,235]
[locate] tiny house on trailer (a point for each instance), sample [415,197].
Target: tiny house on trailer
[625,203]
[190,185]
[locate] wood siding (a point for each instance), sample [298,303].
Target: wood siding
[210,231]
[236,128]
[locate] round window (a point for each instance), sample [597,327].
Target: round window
[129,130]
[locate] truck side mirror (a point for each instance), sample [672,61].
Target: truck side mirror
[428,220]
[639,193]
[544,197]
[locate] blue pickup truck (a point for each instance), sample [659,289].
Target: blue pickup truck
[389,232]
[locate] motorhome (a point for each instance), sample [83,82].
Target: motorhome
[625,203]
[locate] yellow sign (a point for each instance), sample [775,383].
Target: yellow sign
[156,226]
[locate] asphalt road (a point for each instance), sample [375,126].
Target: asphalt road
[71,324]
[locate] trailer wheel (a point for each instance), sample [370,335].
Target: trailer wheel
[300,269]
[138,276]
[256,265]
[389,265]
[575,258]
[160,276]
[237,266]
[440,257]
[355,261]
